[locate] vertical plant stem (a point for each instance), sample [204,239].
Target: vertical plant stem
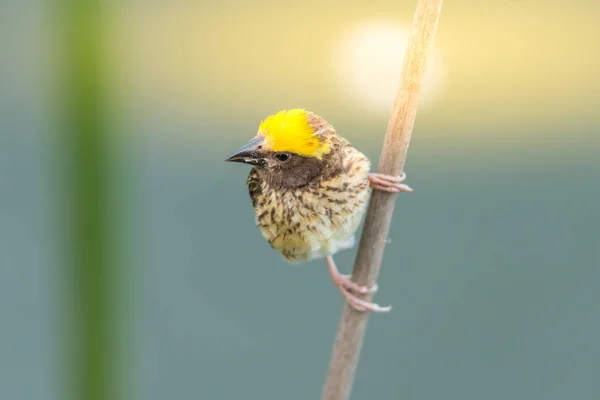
[85,150]
[348,342]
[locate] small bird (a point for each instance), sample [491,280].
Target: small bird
[310,188]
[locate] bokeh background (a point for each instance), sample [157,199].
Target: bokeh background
[130,266]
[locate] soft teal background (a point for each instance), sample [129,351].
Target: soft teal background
[493,265]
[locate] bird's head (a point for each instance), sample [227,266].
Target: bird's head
[291,148]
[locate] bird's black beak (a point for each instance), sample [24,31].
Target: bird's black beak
[251,153]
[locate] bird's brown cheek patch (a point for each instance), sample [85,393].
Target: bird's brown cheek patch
[297,172]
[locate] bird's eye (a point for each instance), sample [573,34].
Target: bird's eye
[282,156]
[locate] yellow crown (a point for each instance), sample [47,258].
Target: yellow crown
[290,131]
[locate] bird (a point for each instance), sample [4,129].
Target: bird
[310,188]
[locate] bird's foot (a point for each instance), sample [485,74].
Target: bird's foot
[350,290]
[388,183]
[356,302]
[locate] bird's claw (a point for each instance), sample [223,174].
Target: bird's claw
[350,290]
[346,282]
[388,183]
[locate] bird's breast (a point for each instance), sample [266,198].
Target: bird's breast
[312,221]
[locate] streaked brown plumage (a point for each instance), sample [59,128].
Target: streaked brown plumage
[310,193]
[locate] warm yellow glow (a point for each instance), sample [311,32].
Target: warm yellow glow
[369,60]
[195,61]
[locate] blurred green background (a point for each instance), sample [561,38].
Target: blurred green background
[130,266]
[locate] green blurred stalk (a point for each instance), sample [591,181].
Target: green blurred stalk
[86,148]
